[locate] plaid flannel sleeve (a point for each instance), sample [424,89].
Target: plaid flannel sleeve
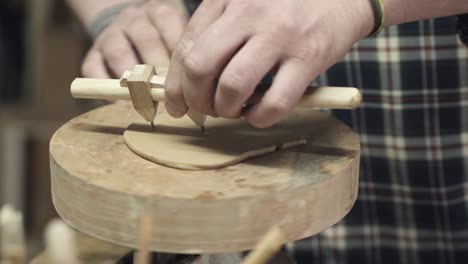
[413,125]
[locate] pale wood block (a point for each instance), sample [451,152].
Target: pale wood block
[162,71]
[140,91]
[157,81]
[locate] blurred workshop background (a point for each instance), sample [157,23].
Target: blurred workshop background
[41,46]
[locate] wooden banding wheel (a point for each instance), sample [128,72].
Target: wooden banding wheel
[102,188]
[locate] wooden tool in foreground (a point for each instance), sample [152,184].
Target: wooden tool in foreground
[60,243]
[12,239]
[268,246]
[145,88]
[143,255]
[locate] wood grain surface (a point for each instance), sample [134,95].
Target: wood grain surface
[102,188]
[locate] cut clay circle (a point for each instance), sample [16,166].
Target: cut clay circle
[180,144]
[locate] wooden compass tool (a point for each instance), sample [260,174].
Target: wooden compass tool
[145,89]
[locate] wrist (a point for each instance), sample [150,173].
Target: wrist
[402,11]
[88,11]
[396,12]
[106,16]
[366,16]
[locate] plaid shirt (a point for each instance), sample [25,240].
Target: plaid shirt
[412,205]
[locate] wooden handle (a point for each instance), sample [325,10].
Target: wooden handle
[142,255]
[266,247]
[315,97]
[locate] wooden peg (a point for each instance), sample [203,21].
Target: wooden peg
[139,86]
[60,243]
[12,240]
[143,255]
[267,247]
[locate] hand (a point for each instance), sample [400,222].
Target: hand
[140,34]
[230,45]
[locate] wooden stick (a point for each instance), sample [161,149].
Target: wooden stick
[267,247]
[12,241]
[60,243]
[315,97]
[142,256]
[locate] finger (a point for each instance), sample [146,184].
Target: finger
[94,66]
[147,41]
[208,12]
[118,52]
[288,87]
[207,59]
[170,23]
[175,101]
[243,73]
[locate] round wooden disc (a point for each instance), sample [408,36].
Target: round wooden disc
[102,188]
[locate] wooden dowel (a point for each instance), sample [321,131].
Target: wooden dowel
[315,97]
[12,239]
[107,89]
[267,247]
[327,97]
[60,243]
[143,255]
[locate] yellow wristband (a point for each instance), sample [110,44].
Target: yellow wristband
[379,16]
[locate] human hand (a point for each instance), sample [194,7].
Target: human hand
[229,45]
[147,34]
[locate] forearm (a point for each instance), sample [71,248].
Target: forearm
[87,10]
[401,11]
